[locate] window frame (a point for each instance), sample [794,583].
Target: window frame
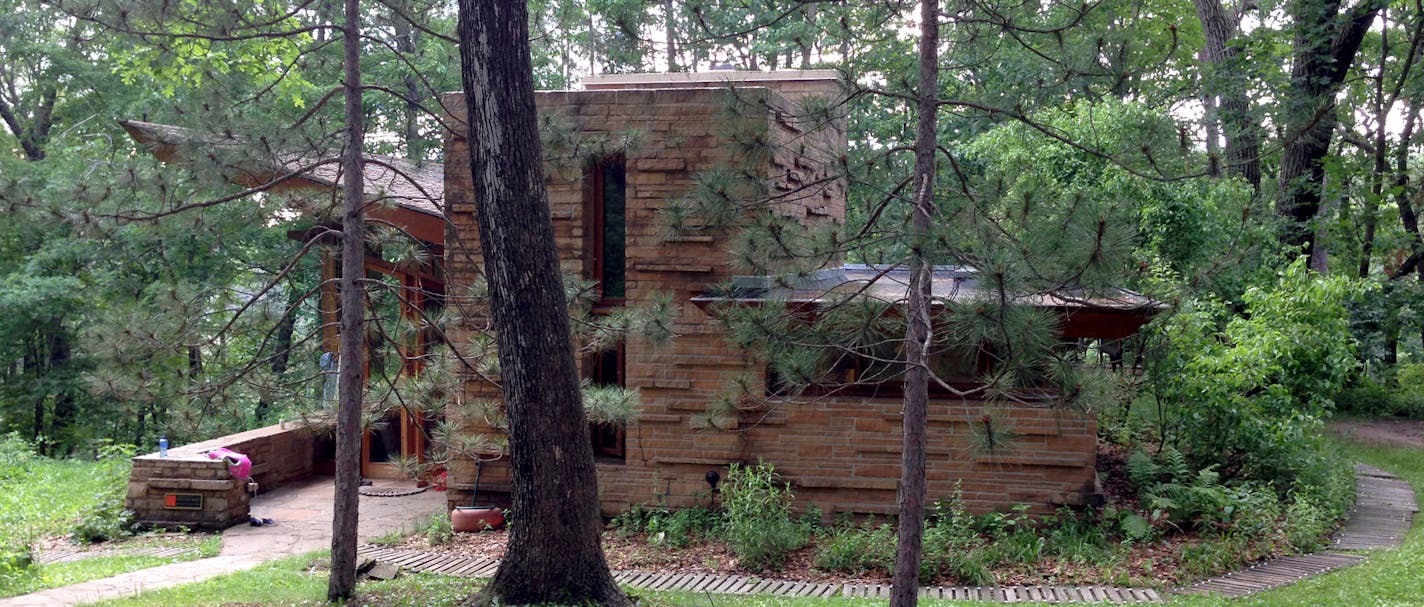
[595,225]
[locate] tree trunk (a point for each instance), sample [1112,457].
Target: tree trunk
[345,518]
[1323,50]
[405,43]
[670,23]
[911,497]
[1243,133]
[553,555]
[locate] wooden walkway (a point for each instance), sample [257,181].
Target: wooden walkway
[1383,513]
[70,555]
[478,566]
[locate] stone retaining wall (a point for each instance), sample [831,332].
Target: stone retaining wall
[187,488]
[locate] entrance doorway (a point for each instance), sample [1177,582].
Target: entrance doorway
[398,442]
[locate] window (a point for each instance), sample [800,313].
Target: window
[883,374]
[606,369]
[605,226]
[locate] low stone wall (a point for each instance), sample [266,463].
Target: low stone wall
[188,488]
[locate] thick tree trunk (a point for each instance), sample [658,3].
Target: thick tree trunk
[553,555]
[1323,50]
[911,496]
[345,518]
[1243,132]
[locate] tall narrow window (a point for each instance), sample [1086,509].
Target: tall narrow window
[606,369]
[606,225]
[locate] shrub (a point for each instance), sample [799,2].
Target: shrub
[108,520]
[439,530]
[952,546]
[852,549]
[1080,539]
[757,523]
[15,560]
[1246,392]
[666,527]
[1323,494]
[679,528]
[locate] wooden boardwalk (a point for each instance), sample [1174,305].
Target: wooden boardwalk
[1383,513]
[478,566]
[70,555]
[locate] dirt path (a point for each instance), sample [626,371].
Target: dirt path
[1390,432]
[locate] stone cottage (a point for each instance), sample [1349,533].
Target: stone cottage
[840,450]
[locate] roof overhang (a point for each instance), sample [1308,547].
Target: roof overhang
[399,193]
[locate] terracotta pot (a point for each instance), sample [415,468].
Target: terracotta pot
[476,518]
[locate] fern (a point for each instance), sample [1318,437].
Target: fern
[1142,471]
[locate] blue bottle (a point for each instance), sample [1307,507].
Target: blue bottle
[163,446]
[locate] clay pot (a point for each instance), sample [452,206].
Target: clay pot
[476,518]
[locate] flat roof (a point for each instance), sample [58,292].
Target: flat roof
[708,78]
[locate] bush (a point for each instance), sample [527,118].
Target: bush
[951,545]
[108,520]
[439,530]
[757,523]
[15,560]
[667,527]
[1322,496]
[1247,392]
[852,549]
[1077,538]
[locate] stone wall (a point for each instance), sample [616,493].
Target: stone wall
[279,455]
[840,452]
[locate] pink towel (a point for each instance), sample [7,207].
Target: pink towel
[238,464]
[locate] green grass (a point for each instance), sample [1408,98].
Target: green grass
[42,497]
[292,582]
[40,577]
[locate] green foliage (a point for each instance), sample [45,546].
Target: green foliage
[1247,392]
[856,549]
[438,530]
[675,528]
[758,525]
[1373,397]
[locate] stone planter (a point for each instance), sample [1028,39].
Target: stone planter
[476,518]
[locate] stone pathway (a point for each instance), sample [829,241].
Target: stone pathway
[1383,513]
[478,566]
[303,513]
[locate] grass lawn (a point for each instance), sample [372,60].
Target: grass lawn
[41,577]
[1389,577]
[43,498]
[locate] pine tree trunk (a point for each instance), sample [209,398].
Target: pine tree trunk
[553,555]
[342,582]
[911,497]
